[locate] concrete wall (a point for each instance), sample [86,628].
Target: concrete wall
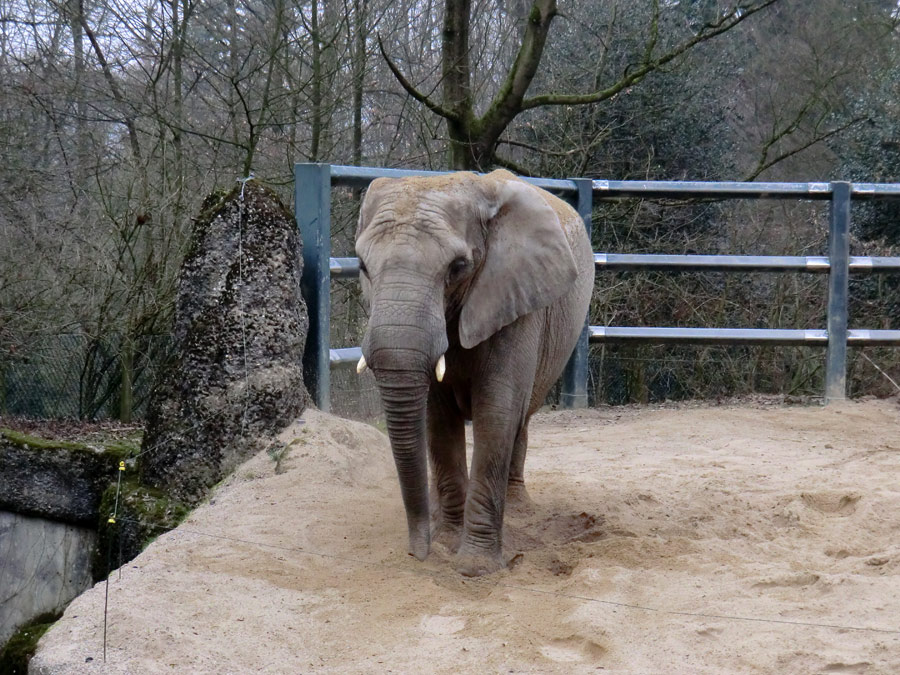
[44,564]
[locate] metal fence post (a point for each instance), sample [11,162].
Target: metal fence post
[312,205]
[574,391]
[838,278]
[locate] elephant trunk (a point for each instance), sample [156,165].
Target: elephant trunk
[402,345]
[404,395]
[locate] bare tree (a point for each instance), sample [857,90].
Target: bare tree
[474,137]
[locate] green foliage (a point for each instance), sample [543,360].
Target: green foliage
[278,451]
[17,652]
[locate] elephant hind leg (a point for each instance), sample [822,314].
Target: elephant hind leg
[447,452]
[517,497]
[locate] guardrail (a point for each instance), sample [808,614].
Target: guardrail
[313,183]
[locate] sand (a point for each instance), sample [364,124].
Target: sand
[745,538]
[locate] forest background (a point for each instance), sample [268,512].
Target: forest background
[117,118]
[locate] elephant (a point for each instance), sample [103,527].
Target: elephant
[478,288]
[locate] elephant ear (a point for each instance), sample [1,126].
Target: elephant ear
[528,263]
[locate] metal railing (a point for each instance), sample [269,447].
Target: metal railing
[313,183]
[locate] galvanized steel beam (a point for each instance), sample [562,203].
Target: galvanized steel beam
[738,263]
[838,282]
[605,189]
[344,268]
[348,268]
[345,356]
[312,200]
[738,336]
[361,176]
[708,336]
[574,391]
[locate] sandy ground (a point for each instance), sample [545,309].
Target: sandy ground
[733,539]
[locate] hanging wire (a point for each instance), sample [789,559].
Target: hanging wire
[111,521]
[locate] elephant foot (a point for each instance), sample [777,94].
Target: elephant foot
[517,498]
[448,536]
[478,563]
[419,540]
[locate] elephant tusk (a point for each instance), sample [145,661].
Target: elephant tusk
[361,366]
[440,369]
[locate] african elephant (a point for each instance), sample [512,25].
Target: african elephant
[478,288]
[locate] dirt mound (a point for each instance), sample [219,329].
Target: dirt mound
[703,540]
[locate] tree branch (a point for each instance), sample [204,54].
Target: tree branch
[111,81]
[709,31]
[765,163]
[507,104]
[542,151]
[512,166]
[412,91]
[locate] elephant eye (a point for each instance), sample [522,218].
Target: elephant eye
[458,269]
[362,267]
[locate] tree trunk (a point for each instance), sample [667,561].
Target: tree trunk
[360,9]
[457,83]
[126,391]
[316,102]
[178,36]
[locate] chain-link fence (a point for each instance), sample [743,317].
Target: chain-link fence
[83,377]
[73,376]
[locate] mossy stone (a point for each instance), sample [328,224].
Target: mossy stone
[142,513]
[58,480]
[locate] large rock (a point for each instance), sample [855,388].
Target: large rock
[240,329]
[58,480]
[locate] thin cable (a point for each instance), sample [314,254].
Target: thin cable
[111,521]
[243,182]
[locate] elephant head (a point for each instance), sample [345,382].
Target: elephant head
[445,263]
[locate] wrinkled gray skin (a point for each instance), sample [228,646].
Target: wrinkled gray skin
[496,275]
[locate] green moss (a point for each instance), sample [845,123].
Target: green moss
[17,652]
[24,440]
[142,514]
[123,448]
[212,205]
[118,448]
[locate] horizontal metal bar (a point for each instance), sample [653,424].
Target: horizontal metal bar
[746,336]
[875,190]
[345,356]
[720,189]
[361,176]
[703,336]
[744,263]
[348,268]
[344,268]
[873,338]
[743,336]
[706,263]
[874,264]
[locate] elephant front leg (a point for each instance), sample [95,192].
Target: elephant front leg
[447,452]
[481,550]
